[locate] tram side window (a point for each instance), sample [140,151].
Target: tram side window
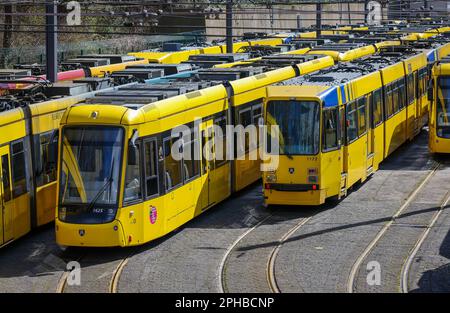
[245,119]
[221,145]
[46,172]
[388,101]
[362,116]
[352,122]
[133,190]
[19,171]
[411,91]
[422,83]
[330,129]
[401,93]
[5,179]
[342,118]
[256,116]
[172,167]
[425,80]
[377,108]
[151,168]
[395,97]
[191,162]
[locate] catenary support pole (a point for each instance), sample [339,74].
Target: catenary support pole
[51,41]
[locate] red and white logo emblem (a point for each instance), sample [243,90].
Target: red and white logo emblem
[153,214]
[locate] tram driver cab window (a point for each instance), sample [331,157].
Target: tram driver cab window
[151,168]
[19,169]
[172,167]
[133,190]
[330,129]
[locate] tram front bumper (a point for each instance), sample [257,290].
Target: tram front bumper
[307,198]
[439,145]
[82,235]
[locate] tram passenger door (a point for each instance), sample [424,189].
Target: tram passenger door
[208,165]
[6,202]
[370,135]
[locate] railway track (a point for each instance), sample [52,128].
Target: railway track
[113,286]
[407,265]
[359,261]
[222,286]
[271,257]
[271,277]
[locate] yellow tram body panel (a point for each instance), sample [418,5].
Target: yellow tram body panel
[15,214]
[439,137]
[443,51]
[395,125]
[357,53]
[100,71]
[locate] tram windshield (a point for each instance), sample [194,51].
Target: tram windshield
[90,169]
[443,107]
[299,126]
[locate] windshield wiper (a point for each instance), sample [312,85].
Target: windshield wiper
[103,189]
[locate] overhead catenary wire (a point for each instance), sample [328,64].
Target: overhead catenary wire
[132,21]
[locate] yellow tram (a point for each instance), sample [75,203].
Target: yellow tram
[439,136]
[337,126]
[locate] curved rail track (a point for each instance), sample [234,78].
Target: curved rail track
[271,278]
[113,285]
[356,266]
[270,264]
[406,266]
[221,273]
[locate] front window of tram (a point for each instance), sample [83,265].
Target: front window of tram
[90,170]
[443,107]
[299,126]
